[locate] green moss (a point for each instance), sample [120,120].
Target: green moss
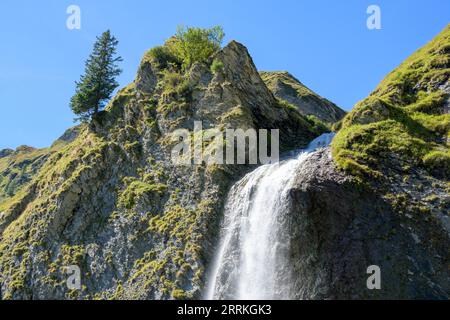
[72,255]
[317,124]
[179,294]
[439,125]
[133,147]
[57,179]
[419,72]
[429,103]
[136,190]
[175,86]
[365,148]
[115,108]
[179,262]
[20,167]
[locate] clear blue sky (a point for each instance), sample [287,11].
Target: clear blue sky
[323,43]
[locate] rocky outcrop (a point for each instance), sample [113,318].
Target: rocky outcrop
[114,204]
[339,228]
[286,87]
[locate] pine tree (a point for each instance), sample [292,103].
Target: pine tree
[99,80]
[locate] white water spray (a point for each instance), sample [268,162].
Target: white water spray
[251,261]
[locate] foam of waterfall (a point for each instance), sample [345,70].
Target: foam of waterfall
[251,260]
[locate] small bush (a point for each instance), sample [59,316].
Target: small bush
[163,56]
[172,79]
[217,66]
[176,84]
[183,89]
[192,45]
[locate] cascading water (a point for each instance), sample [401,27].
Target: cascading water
[251,261]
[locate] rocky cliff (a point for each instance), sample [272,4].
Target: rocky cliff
[112,202]
[381,195]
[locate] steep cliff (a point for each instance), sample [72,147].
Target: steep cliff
[113,203]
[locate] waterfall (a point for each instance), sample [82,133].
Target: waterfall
[251,259]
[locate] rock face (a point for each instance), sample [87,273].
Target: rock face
[340,228]
[286,87]
[388,203]
[114,204]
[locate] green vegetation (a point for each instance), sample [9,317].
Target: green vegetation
[171,61]
[217,66]
[170,268]
[175,85]
[188,46]
[32,215]
[317,124]
[17,169]
[98,83]
[310,122]
[402,123]
[192,45]
[163,57]
[136,190]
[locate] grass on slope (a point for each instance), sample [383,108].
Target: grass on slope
[404,122]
